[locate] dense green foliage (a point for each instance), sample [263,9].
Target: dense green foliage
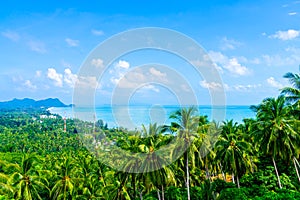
[257,159]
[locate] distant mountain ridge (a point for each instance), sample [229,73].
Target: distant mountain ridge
[31,103]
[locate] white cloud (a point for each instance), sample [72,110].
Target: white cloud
[97,62]
[292,13]
[246,87]
[37,46]
[286,35]
[239,87]
[38,73]
[87,82]
[29,85]
[56,77]
[230,64]
[218,57]
[14,36]
[185,88]
[97,32]
[213,85]
[123,64]
[69,77]
[71,42]
[132,79]
[289,58]
[115,80]
[229,44]
[156,72]
[235,67]
[151,87]
[273,83]
[120,69]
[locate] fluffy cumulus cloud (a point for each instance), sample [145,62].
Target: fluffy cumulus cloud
[55,77]
[97,62]
[273,83]
[120,69]
[156,72]
[138,77]
[71,42]
[232,65]
[14,36]
[69,77]
[286,35]
[235,67]
[65,79]
[123,64]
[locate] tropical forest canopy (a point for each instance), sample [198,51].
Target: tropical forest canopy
[256,159]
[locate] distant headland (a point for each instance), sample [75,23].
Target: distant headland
[31,103]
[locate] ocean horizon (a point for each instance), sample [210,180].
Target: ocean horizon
[135,115]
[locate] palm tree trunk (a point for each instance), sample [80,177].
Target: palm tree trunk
[223,175]
[134,186]
[158,195]
[278,178]
[233,178]
[297,162]
[162,192]
[296,167]
[237,180]
[207,173]
[187,177]
[141,194]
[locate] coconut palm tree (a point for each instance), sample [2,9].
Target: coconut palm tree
[25,179]
[232,151]
[65,185]
[187,124]
[152,141]
[205,140]
[90,173]
[276,130]
[292,93]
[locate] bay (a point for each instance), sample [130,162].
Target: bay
[136,115]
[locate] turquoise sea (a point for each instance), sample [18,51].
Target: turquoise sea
[135,116]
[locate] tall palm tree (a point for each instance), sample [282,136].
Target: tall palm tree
[187,124]
[276,130]
[205,140]
[292,93]
[163,176]
[232,151]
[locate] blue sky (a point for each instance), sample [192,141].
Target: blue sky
[43,44]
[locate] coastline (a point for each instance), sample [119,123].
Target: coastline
[144,114]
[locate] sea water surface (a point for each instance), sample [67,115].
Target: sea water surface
[136,115]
